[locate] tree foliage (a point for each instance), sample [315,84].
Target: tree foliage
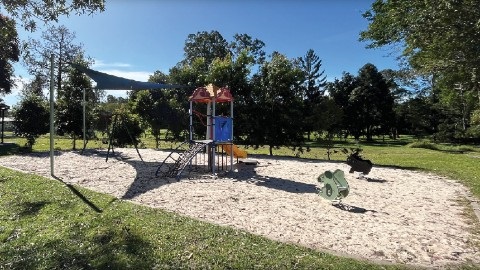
[366,101]
[56,40]
[277,105]
[9,53]
[125,129]
[69,111]
[31,11]
[206,45]
[31,118]
[158,112]
[244,43]
[439,39]
[312,87]
[435,35]
[35,86]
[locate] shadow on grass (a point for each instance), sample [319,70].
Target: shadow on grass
[7,149]
[32,208]
[116,246]
[80,195]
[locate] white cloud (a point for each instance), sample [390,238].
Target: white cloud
[132,75]
[13,98]
[101,64]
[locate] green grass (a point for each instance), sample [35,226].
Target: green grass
[45,224]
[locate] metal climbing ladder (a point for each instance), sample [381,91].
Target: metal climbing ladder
[178,159]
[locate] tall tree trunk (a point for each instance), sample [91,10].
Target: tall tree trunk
[74,142]
[271,150]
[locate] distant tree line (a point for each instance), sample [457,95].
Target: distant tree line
[281,101]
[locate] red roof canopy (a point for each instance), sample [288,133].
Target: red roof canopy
[211,93]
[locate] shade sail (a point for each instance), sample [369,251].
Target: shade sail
[110,82]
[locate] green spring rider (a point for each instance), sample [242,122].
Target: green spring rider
[335,187]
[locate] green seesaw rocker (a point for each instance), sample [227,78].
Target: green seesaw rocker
[335,187]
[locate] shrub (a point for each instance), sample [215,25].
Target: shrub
[423,144]
[31,119]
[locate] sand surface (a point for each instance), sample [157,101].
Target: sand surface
[394,215]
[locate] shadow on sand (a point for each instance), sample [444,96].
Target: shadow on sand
[145,179]
[247,173]
[352,209]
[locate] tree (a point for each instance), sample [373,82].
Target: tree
[165,109]
[69,112]
[58,41]
[206,45]
[103,112]
[31,118]
[373,100]
[416,116]
[474,130]
[125,129]
[340,90]
[366,101]
[439,39]
[277,105]
[312,87]
[29,11]
[315,79]
[253,47]
[151,111]
[326,121]
[191,74]
[35,86]
[9,53]
[159,77]
[235,73]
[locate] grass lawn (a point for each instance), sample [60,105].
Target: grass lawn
[46,224]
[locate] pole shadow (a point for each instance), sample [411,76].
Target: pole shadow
[79,195]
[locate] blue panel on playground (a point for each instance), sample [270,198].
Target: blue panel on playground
[223,129]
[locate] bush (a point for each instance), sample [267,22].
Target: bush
[423,144]
[125,130]
[31,119]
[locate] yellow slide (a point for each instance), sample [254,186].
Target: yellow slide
[237,152]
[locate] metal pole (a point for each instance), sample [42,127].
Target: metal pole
[52,128]
[231,146]
[191,121]
[213,136]
[84,121]
[3,122]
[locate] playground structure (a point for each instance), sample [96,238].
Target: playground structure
[335,187]
[357,163]
[216,151]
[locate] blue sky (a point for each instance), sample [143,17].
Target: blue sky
[135,38]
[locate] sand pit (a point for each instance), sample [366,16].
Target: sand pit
[396,215]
